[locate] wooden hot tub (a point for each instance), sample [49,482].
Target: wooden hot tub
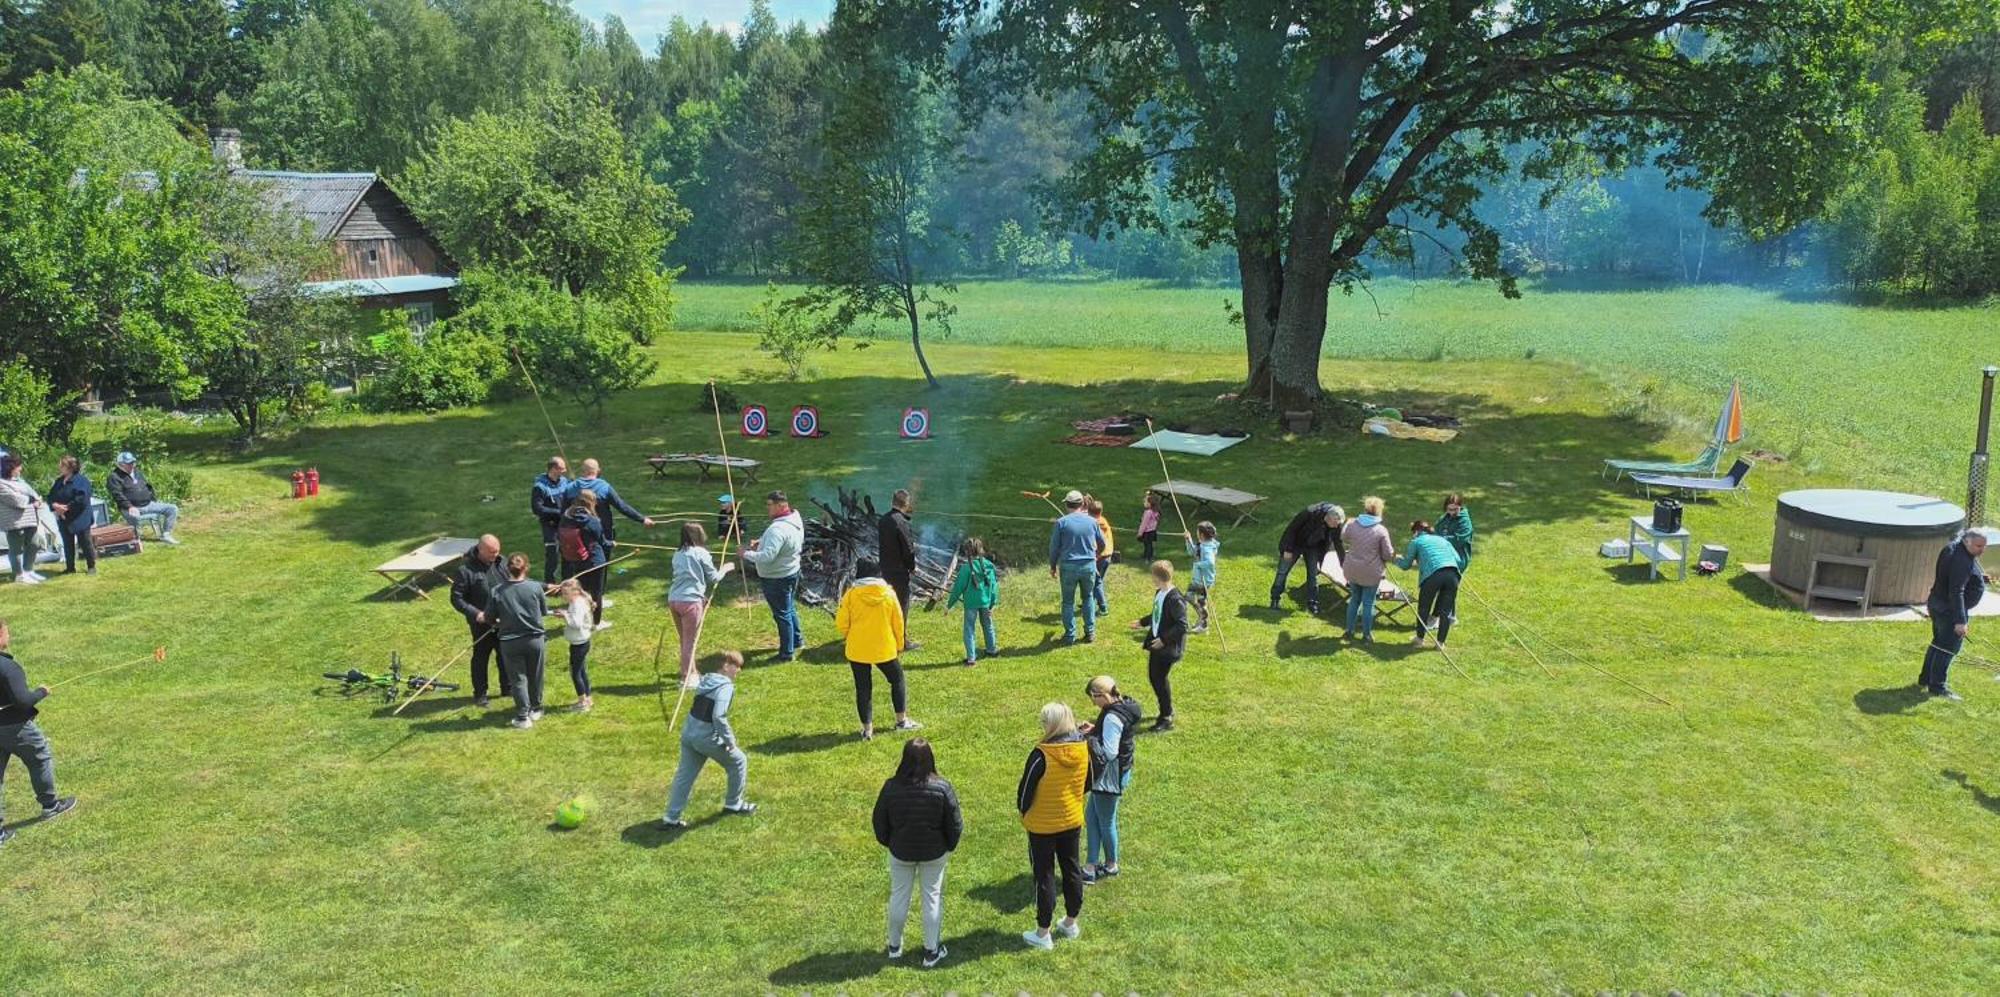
[1901,533]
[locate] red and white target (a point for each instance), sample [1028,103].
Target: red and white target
[756,421]
[805,422]
[916,424]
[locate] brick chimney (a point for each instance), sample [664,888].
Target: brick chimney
[227,145]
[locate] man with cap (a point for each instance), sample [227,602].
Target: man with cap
[1074,546]
[131,492]
[546,498]
[728,521]
[21,737]
[896,546]
[778,556]
[1954,591]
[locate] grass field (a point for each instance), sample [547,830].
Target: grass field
[1833,386]
[1328,817]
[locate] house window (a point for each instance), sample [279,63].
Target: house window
[372,255]
[422,314]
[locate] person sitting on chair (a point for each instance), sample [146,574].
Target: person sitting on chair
[131,491]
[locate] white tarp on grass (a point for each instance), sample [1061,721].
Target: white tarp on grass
[1198,444]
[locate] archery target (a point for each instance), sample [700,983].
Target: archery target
[756,422]
[805,421]
[916,424]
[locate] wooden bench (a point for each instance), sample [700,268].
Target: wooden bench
[1243,505]
[1860,596]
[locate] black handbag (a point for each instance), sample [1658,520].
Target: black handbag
[1666,516]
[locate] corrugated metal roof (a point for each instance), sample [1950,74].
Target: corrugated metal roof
[323,199]
[371,287]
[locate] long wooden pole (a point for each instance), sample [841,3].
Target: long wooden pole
[157,654]
[518,362]
[1214,618]
[735,501]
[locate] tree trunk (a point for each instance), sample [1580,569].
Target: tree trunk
[1263,277]
[916,335]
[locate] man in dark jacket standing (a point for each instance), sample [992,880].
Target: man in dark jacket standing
[1165,639]
[546,499]
[479,576]
[1313,532]
[21,738]
[898,553]
[1954,591]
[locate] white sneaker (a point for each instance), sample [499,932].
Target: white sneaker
[27,578]
[608,603]
[606,625]
[521,723]
[1070,930]
[36,576]
[168,539]
[1037,940]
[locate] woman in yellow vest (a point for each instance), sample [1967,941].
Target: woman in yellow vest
[1051,803]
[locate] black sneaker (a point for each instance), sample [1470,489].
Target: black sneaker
[672,824]
[63,806]
[933,958]
[1164,723]
[1089,875]
[895,952]
[481,702]
[6,835]
[1274,603]
[1090,638]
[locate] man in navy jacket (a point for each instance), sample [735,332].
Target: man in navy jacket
[1955,590]
[546,497]
[21,738]
[607,500]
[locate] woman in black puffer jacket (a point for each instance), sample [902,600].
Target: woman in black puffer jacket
[917,820]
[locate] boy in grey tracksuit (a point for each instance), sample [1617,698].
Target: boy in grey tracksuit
[707,736]
[515,611]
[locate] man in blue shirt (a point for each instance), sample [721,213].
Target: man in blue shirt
[1074,546]
[607,500]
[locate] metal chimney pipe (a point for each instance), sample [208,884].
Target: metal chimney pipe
[1975,501]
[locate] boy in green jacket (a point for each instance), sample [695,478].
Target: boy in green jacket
[978,586]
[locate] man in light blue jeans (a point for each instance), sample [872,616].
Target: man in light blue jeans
[133,494]
[1074,547]
[778,558]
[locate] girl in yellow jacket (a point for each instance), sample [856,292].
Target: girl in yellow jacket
[1050,799]
[871,619]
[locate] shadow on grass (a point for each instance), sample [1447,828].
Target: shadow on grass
[649,833]
[1640,573]
[832,968]
[1290,646]
[1883,702]
[1011,897]
[408,480]
[462,722]
[1980,796]
[1759,591]
[429,705]
[799,744]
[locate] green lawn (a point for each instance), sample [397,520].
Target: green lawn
[1327,818]
[1887,396]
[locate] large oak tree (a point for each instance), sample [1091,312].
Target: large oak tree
[1313,136]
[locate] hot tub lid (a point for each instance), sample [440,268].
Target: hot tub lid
[1870,513]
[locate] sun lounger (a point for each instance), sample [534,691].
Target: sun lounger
[407,573]
[1704,463]
[1390,599]
[708,463]
[1696,487]
[1213,500]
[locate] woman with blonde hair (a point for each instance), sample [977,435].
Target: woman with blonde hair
[1369,551]
[1050,798]
[1112,739]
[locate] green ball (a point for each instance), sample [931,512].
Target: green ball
[570,815]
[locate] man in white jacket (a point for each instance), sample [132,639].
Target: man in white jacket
[776,556]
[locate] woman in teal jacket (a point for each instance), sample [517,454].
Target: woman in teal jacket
[978,586]
[1456,526]
[1438,569]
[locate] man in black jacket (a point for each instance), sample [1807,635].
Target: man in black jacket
[898,558]
[479,576]
[132,494]
[21,737]
[1311,533]
[1954,591]
[1165,639]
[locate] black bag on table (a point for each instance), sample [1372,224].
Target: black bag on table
[1666,516]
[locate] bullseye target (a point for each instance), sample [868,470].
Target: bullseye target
[916,424]
[756,422]
[805,421]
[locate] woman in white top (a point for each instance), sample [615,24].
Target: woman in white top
[20,515]
[577,614]
[695,577]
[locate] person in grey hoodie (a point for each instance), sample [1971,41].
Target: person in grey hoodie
[708,736]
[776,556]
[515,610]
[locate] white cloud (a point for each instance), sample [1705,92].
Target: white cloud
[648,19]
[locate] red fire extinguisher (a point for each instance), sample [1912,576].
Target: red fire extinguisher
[312,481]
[298,484]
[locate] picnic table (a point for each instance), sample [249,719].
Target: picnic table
[1243,505]
[430,559]
[706,462]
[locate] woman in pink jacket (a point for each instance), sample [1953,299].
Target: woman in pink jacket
[1369,551]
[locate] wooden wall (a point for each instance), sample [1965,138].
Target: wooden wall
[383,225]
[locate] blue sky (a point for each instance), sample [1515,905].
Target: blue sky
[646,19]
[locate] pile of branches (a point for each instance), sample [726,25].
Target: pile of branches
[849,534]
